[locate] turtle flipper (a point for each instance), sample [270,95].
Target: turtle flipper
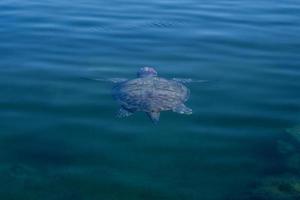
[113,80]
[182,109]
[124,113]
[117,80]
[188,80]
[154,116]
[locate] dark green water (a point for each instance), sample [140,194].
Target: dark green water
[59,136]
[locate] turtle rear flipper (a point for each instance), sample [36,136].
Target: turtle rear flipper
[183,109]
[124,113]
[154,116]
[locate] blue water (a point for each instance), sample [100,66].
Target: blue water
[59,136]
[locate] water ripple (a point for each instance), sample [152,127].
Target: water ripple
[54,119]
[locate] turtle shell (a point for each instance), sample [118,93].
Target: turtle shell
[150,94]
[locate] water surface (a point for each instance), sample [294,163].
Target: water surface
[59,135]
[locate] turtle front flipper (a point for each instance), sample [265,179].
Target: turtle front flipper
[117,80]
[183,109]
[154,116]
[124,112]
[188,80]
[113,80]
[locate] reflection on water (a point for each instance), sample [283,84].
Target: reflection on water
[59,135]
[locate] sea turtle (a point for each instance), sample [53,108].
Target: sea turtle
[151,94]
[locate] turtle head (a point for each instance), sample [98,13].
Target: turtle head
[146,72]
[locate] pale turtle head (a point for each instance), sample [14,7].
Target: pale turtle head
[146,72]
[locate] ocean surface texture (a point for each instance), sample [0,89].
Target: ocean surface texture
[59,135]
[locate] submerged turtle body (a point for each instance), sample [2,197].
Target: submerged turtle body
[151,94]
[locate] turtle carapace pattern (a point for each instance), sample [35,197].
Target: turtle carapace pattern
[151,94]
